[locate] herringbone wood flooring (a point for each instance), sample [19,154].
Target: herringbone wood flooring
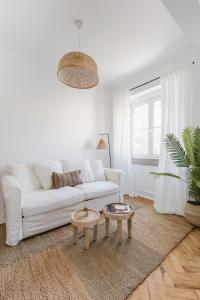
[178,277]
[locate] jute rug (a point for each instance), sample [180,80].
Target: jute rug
[49,266]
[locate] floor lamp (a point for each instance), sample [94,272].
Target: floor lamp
[102,145]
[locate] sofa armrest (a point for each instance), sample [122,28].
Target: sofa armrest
[13,194]
[115,176]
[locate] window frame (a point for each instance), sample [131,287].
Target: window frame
[135,101]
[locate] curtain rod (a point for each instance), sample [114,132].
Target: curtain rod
[149,81]
[144,83]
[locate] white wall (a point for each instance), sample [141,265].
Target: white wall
[41,118]
[104,122]
[143,182]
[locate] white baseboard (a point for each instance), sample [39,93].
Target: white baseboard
[144,194]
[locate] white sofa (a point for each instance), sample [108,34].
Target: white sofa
[28,213]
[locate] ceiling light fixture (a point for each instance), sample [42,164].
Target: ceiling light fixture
[77,69]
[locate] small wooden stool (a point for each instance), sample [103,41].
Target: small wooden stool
[119,218]
[81,219]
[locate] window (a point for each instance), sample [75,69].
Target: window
[146,124]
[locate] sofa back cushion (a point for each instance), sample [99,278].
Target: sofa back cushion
[98,170]
[66,179]
[84,166]
[44,171]
[25,175]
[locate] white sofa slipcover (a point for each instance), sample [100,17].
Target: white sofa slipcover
[30,213]
[43,201]
[98,189]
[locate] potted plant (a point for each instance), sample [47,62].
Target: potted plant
[187,157]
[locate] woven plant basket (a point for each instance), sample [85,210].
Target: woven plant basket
[192,214]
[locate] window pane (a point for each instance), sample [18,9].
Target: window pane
[157,113]
[140,142]
[156,141]
[141,116]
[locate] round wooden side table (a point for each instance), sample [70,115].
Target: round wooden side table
[83,220]
[119,218]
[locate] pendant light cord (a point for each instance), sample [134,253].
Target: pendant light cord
[79,39]
[79,24]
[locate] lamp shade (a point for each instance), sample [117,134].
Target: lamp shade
[102,144]
[78,70]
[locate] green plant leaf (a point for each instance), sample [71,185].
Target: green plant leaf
[196,146]
[176,151]
[195,175]
[194,189]
[188,143]
[196,181]
[189,158]
[157,175]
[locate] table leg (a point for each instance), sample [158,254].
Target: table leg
[119,229]
[86,238]
[95,232]
[107,225]
[75,234]
[130,234]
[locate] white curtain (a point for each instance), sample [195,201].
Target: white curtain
[121,137]
[177,99]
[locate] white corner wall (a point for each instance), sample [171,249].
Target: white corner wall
[41,118]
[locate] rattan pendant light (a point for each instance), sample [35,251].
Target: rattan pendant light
[77,69]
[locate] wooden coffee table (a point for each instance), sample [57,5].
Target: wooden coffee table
[83,220]
[119,218]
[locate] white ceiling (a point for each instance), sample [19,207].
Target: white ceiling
[187,14]
[121,35]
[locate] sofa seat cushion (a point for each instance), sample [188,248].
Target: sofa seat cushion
[97,189]
[43,201]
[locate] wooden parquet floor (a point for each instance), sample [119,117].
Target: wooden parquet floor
[178,277]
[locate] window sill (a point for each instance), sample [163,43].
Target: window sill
[145,161]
